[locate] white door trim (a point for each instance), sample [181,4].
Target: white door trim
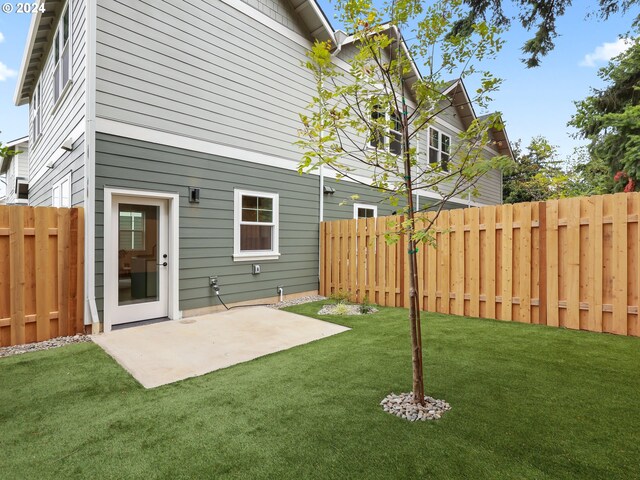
[110,290]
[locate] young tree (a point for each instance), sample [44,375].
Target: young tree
[368,120]
[541,14]
[610,118]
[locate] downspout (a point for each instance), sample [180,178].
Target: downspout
[91,309]
[322,193]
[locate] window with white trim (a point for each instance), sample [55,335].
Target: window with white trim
[361,210]
[36,115]
[61,193]
[388,137]
[256,224]
[439,149]
[62,55]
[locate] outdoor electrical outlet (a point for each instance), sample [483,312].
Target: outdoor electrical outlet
[255,269]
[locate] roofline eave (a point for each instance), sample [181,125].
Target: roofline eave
[18,98]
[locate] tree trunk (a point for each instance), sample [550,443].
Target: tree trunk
[414,297]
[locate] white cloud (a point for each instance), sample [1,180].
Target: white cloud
[605,52]
[1,37]
[6,72]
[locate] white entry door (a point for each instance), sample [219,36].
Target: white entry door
[138,281]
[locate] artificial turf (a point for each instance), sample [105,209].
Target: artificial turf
[527,402]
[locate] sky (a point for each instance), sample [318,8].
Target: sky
[533,102]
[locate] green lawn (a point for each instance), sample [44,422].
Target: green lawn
[527,402]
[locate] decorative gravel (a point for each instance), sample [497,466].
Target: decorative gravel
[46,345]
[350,310]
[298,301]
[402,405]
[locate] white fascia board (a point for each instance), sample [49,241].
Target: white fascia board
[318,11]
[451,87]
[31,39]
[17,141]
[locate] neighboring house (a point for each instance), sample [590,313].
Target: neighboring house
[173,124]
[15,168]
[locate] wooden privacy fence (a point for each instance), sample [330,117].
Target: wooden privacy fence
[571,263]
[41,273]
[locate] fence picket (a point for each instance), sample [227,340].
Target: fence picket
[43,323]
[619,324]
[525,263]
[572,284]
[17,275]
[507,262]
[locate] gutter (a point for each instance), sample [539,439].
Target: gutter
[91,309]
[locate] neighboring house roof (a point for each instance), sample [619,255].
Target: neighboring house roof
[6,162]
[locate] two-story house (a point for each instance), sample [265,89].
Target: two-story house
[173,124]
[15,169]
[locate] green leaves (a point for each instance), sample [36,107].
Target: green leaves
[610,118]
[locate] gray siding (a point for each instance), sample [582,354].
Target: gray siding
[206,229]
[58,124]
[339,206]
[282,12]
[70,163]
[489,186]
[205,70]
[202,70]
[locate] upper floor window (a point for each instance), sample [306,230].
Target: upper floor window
[62,55]
[36,115]
[256,225]
[387,137]
[439,149]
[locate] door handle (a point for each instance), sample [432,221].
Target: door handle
[164,264]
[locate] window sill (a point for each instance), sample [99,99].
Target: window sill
[252,257]
[62,96]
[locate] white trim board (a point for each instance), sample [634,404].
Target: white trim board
[158,137]
[173,200]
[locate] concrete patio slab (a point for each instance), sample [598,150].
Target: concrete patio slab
[169,351]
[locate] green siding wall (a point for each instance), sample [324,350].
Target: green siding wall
[206,229]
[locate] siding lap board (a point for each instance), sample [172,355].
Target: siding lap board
[206,228]
[58,124]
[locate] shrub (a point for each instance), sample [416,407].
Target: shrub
[340,296]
